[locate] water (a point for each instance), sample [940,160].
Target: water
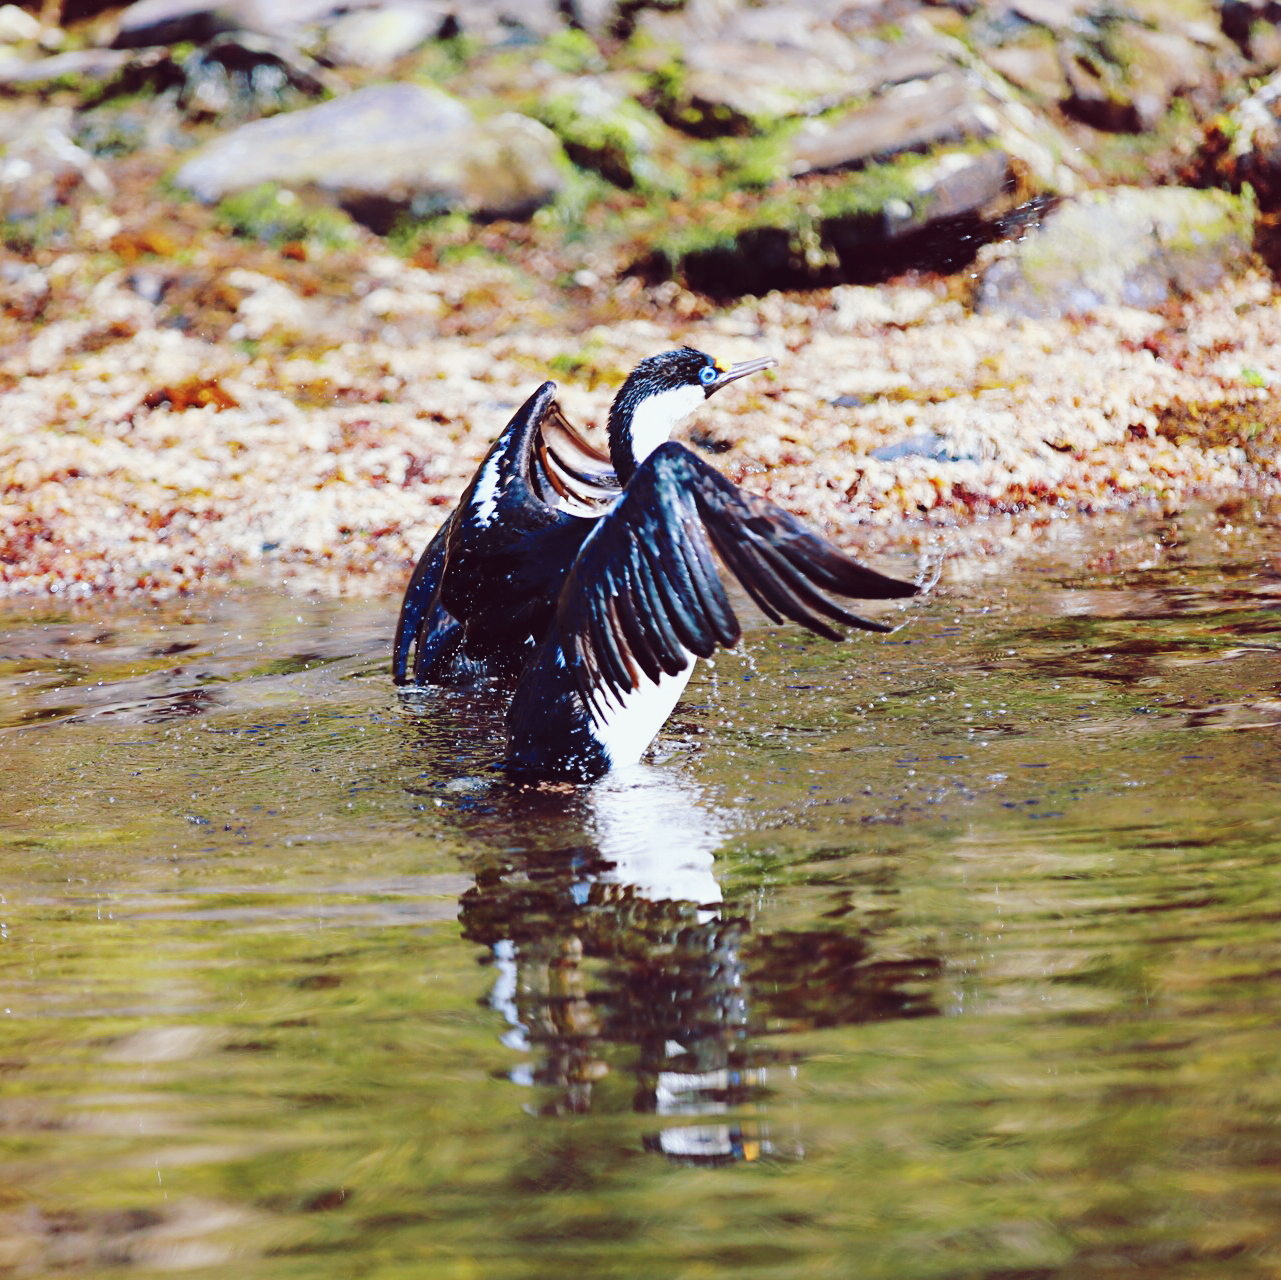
[955,953]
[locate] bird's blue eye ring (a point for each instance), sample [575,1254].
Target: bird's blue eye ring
[707,375]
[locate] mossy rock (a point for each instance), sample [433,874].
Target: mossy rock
[1128,247]
[605,132]
[930,213]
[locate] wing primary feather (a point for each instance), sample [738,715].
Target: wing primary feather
[794,577]
[765,585]
[671,652]
[707,585]
[629,609]
[613,672]
[684,600]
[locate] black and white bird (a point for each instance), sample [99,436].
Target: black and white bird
[589,580]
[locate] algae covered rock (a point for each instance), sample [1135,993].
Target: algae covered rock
[1128,247]
[604,130]
[386,152]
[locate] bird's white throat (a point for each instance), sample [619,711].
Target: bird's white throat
[657,416]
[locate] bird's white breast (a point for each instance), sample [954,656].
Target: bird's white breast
[625,728]
[657,416]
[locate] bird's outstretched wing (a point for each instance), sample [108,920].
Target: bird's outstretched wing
[568,472]
[475,601]
[645,594]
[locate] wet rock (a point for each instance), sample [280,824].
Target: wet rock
[949,207]
[1129,247]
[932,214]
[955,185]
[242,74]
[378,37]
[925,445]
[156,22]
[386,152]
[923,113]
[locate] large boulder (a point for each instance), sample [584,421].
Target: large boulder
[1128,247]
[386,152]
[154,22]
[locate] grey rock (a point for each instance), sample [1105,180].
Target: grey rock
[129,126]
[18,26]
[507,22]
[79,64]
[1057,15]
[1034,68]
[865,15]
[952,186]
[678,25]
[386,151]
[739,86]
[924,445]
[376,38]
[920,114]
[1129,247]
[154,22]
[1124,76]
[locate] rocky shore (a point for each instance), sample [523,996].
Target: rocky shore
[273,275]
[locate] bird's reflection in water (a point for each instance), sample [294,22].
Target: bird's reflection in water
[616,956]
[626,981]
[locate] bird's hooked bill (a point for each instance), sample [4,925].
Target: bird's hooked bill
[731,373]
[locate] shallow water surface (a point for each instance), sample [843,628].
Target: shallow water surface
[951,953]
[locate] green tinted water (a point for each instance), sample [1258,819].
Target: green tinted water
[955,953]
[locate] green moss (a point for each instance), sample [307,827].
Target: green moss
[573,51]
[798,210]
[750,163]
[448,235]
[275,216]
[617,145]
[47,228]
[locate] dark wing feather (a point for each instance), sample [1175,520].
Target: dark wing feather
[644,592]
[419,595]
[485,588]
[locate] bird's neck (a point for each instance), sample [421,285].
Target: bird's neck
[639,422]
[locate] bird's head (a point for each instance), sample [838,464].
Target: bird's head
[659,394]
